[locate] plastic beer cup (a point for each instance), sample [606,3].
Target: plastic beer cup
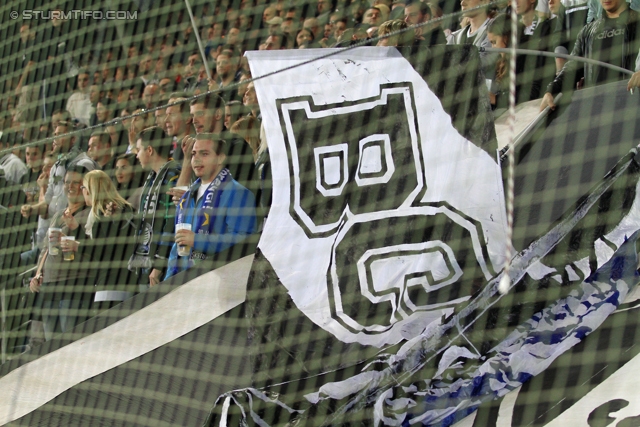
[183,250]
[68,256]
[54,245]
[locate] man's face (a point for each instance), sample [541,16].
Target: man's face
[33,156]
[339,29]
[144,155]
[149,95]
[159,66]
[412,15]
[175,123]
[83,81]
[164,85]
[216,30]
[72,183]
[161,117]
[203,118]
[232,36]
[356,10]
[24,32]
[244,20]
[123,96]
[311,24]
[470,4]
[47,164]
[288,26]
[227,117]
[290,14]
[328,30]
[268,13]
[612,6]
[205,162]
[554,6]
[113,135]
[138,122]
[371,17]
[102,113]
[145,64]
[94,94]
[55,20]
[224,66]
[61,143]
[96,150]
[55,119]
[125,122]
[324,6]
[273,42]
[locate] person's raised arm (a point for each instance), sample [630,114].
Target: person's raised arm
[184,180]
[569,69]
[634,81]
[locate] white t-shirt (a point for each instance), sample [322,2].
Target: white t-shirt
[203,187]
[80,107]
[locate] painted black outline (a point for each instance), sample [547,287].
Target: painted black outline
[321,157]
[478,226]
[331,295]
[319,108]
[383,159]
[396,291]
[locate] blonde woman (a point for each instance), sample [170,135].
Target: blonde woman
[402,34]
[109,232]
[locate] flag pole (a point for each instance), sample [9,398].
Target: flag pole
[195,30]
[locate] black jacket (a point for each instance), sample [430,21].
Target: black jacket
[109,249]
[585,47]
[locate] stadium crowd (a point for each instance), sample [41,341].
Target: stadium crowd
[116,192]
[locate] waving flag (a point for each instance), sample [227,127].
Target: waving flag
[381,309]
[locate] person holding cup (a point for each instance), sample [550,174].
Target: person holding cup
[106,240]
[215,213]
[64,287]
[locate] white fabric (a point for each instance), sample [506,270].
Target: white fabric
[623,384]
[456,172]
[203,189]
[183,310]
[79,107]
[13,167]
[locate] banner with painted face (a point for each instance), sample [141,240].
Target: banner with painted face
[417,332]
[389,215]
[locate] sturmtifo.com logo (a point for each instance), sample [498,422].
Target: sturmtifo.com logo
[30,14]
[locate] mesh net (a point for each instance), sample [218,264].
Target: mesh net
[363,183]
